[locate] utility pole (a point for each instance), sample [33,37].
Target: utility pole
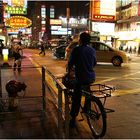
[90,16]
[68,17]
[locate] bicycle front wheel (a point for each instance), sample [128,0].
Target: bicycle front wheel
[97,118]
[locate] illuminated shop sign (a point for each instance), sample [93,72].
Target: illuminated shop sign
[103,10]
[75,23]
[19,3]
[15,10]
[22,3]
[55,22]
[103,17]
[16,31]
[43,16]
[58,30]
[103,28]
[18,22]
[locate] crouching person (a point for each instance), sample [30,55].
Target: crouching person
[13,87]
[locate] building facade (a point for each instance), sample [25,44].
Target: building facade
[127,27]
[102,17]
[57,18]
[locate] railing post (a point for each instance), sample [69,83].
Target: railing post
[43,89]
[0,84]
[66,114]
[59,112]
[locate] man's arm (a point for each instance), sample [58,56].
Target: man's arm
[71,61]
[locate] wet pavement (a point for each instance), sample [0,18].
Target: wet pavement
[124,123]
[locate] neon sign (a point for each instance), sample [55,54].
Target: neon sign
[15,10]
[103,17]
[18,22]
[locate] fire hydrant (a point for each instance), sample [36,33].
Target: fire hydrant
[13,87]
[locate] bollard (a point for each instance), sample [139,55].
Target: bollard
[5,53]
[59,112]
[67,114]
[0,84]
[43,89]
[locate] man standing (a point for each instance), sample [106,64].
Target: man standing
[83,58]
[17,54]
[42,49]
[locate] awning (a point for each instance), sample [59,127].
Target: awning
[132,19]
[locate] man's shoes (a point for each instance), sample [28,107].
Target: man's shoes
[72,123]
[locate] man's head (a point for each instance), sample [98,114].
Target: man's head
[84,38]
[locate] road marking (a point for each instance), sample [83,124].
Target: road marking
[117,92]
[48,78]
[124,76]
[124,92]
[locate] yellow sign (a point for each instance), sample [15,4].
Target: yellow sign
[18,3]
[18,22]
[55,22]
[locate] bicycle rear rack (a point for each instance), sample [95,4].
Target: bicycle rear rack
[102,92]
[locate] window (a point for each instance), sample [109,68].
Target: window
[100,46]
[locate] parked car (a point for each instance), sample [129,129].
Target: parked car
[59,52]
[57,42]
[104,53]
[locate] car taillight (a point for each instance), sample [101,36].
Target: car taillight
[67,49]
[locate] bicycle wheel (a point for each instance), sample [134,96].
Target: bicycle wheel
[96,118]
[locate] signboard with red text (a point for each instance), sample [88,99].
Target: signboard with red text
[18,22]
[102,10]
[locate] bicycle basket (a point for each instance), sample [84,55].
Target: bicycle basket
[68,81]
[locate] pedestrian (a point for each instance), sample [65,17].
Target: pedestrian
[130,49]
[121,47]
[83,59]
[42,49]
[139,51]
[17,54]
[1,46]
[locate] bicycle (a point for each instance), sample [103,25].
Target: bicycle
[96,113]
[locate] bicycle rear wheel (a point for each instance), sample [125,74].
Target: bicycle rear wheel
[96,118]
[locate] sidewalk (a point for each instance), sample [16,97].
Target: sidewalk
[28,124]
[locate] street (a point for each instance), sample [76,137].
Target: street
[124,122]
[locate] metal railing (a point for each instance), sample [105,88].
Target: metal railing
[6,73]
[61,100]
[62,91]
